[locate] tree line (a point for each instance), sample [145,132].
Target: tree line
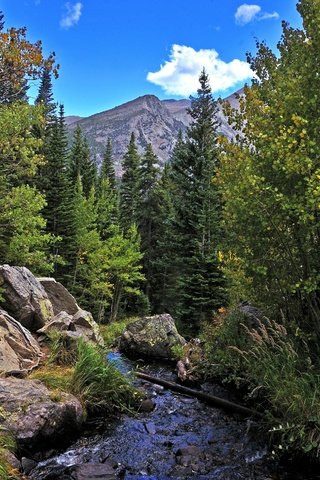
[223,221]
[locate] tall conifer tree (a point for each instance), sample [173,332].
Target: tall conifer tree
[196,227]
[130,186]
[81,163]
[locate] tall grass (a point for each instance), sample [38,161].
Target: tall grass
[277,369]
[98,383]
[7,443]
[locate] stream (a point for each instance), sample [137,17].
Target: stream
[181,438]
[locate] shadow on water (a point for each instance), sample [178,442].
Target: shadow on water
[181,438]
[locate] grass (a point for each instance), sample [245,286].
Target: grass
[277,370]
[112,331]
[7,443]
[81,368]
[98,383]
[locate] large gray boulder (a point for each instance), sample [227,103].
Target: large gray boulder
[60,298]
[152,337]
[24,297]
[79,325]
[19,351]
[33,416]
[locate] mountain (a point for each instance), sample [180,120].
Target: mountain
[152,120]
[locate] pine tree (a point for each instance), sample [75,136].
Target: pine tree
[130,186]
[58,191]
[81,163]
[107,167]
[196,227]
[147,214]
[45,95]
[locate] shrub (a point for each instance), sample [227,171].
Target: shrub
[277,369]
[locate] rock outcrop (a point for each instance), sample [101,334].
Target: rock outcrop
[19,351]
[33,416]
[152,337]
[60,298]
[24,297]
[79,325]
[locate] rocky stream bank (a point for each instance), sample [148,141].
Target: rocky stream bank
[172,437]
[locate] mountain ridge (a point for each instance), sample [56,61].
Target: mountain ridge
[152,121]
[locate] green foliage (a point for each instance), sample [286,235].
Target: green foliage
[112,331]
[7,443]
[196,227]
[63,349]
[130,186]
[80,162]
[24,241]
[270,177]
[276,369]
[98,383]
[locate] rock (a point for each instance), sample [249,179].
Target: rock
[19,351]
[24,297]
[11,459]
[27,465]
[150,428]
[61,323]
[79,325]
[151,336]
[189,455]
[86,326]
[60,298]
[147,405]
[33,417]
[94,471]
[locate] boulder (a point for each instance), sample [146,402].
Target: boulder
[33,416]
[79,325]
[152,337]
[60,298]
[19,351]
[86,326]
[24,297]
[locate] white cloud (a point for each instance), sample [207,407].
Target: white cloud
[180,75]
[267,16]
[249,13]
[72,15]
[246,13]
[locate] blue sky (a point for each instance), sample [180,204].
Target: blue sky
[112,51]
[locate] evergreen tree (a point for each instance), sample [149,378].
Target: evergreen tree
[161,279]
[130,186]
[196,227]
[81,163]
[45,95]
[147,214]
[57,189]
[107,167]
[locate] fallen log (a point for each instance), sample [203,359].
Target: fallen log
[206,397]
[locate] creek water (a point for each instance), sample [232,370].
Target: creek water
[181,438]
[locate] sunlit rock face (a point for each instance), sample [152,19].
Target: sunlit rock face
[151,120]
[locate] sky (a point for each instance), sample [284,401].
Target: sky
[113,51]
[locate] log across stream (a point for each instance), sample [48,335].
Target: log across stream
[182,438]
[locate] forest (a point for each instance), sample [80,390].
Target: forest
[224,223]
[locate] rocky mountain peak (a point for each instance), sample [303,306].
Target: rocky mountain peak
[151,120]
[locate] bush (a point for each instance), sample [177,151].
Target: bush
[277,369]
